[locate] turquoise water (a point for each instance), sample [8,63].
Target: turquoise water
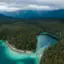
[44,41]
[8,56]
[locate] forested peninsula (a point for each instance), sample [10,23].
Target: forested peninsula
[22,33]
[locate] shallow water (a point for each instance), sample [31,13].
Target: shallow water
[44,41]
[8,56]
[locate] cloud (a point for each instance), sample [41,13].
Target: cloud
[6,7]
[41,2]
[38,7]
[13,5]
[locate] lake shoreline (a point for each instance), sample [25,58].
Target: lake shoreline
[18,50]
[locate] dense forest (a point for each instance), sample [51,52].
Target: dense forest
[22,33]
[54,54]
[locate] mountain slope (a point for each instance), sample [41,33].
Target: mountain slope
[34,14]
[7,19]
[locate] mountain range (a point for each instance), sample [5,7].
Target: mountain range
[35,14]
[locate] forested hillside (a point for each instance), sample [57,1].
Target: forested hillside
[54,54]
[22,33]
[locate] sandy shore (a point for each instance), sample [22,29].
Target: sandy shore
[17,50]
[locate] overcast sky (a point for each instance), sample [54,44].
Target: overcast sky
[12,5]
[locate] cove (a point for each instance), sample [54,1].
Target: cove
[9,56]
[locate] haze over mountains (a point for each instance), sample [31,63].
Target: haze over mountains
[35,14]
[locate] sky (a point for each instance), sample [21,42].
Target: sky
[13,5]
